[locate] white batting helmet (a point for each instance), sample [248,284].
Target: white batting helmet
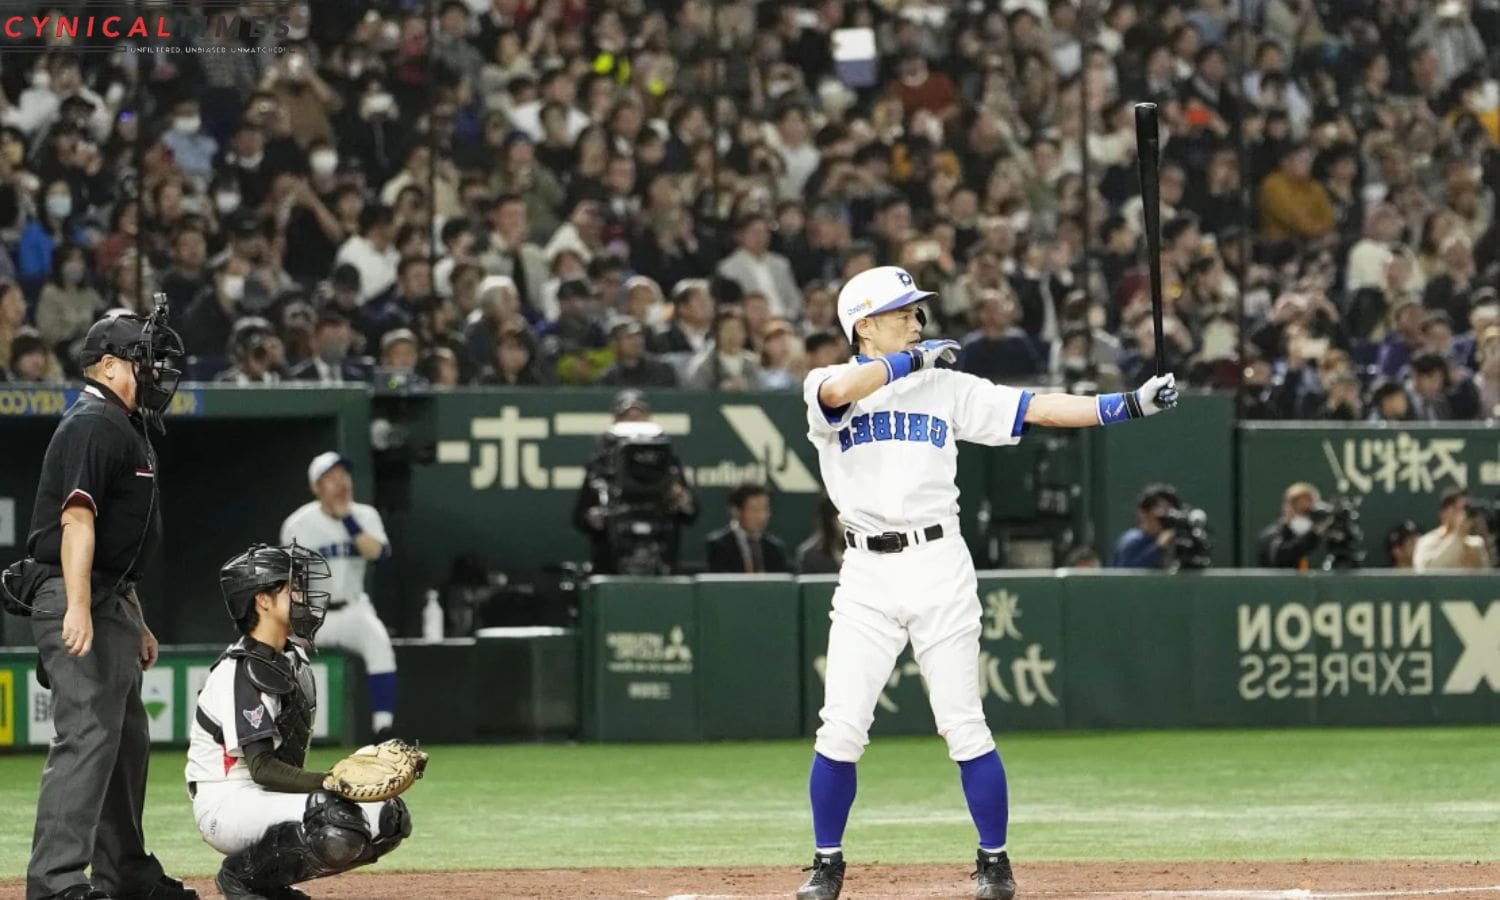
[875,291]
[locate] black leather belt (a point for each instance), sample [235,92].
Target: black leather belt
[337,604]
[192,790]
[892,541]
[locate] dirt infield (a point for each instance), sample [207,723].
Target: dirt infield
[1218,880]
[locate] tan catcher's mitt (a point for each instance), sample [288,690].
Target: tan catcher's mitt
[377,772]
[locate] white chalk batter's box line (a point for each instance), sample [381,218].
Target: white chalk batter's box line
[1220,894]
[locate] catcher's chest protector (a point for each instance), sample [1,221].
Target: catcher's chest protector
[289,678]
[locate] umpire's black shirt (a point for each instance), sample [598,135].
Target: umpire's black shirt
[99,455]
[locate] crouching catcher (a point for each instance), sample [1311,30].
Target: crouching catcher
[277,822]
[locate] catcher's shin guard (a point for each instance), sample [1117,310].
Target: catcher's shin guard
[279,859]
[395,827]
[332,837]
[338,837]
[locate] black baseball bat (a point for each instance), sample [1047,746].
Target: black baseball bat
[1148,156]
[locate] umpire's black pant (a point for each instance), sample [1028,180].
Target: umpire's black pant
[94,786]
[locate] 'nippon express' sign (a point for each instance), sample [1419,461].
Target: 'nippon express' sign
[1371,648]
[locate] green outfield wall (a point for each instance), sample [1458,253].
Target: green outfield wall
[494,473]
[169,692]
[709,658]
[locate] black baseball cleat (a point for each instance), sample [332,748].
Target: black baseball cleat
[235,889]
[826,880]
[995,881]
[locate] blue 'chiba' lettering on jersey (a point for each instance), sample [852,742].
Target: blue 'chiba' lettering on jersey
[894,426]
[345,550]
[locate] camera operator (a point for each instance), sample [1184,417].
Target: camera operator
[1145,546]
[1308,524]
[628,532]
[1289,541]
[1461,540]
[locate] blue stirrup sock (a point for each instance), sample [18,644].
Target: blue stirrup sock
[988,798]
[383,692]
[831,786]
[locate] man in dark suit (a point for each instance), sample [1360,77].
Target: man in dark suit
[743,545]
[330,362]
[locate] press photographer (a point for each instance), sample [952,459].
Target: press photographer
[1462,538]
[1166,536]
[634,502]
[1308,525]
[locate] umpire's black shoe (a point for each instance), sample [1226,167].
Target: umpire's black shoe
[163,888]
[826,880]
[995,881]
[286,893]
[83,891]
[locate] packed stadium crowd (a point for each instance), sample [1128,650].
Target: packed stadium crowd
[638,193]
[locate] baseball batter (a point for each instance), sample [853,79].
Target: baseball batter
[350,536]
[253,800]
[886,426]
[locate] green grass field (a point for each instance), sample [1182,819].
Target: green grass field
[1271,795]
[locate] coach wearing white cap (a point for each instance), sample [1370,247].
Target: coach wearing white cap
[350,536]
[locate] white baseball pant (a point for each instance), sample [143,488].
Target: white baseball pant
[927,593]
[356,627]
[233,815]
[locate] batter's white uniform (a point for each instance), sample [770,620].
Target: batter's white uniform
[889,462]
[232,811]
[351,621]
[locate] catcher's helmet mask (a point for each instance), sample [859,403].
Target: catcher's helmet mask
[263,569]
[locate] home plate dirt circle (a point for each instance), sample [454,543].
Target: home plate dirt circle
[1091,880]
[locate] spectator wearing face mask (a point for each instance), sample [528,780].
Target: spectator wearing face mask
[322,216]
[209,320]
[1291,539]
[68,304]
[53,223]
[192,150]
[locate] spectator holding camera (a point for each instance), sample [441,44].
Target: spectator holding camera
[257,353]
[1288,542]
[1461,540]
[1145,545]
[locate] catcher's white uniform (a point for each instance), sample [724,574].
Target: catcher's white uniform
[233,812]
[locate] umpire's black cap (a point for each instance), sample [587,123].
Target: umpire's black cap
[113,335]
